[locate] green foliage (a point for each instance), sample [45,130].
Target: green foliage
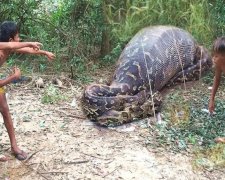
[207,79]
[178,113]
[128,18]
[82,22]
[52,95]
[78,67]
[19,11]
[114,54]
[78,62]
[200,23]
[210,158]
[76,29]
[217,13]
[187,125]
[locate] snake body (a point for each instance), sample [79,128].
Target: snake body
[156,56]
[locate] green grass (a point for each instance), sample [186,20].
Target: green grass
[210,158]
[52,95]
[187,127]
[187,124]
[193,16]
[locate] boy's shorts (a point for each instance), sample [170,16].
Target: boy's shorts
[2,90]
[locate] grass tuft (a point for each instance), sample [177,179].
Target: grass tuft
[210,158]
[189,127]
[52,95]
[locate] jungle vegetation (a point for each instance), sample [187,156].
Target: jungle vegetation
[80,31]
[88,34]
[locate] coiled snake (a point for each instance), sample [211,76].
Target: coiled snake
[156,56]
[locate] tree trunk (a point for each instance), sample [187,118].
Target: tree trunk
[105,45]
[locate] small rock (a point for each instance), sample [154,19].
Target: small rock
[57,82]
[39,83]
[74,103]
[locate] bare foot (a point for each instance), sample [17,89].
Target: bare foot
[3,158]
[19,154]
[220,140]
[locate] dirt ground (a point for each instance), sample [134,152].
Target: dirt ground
[63,144]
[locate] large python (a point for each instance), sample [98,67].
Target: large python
[156,56]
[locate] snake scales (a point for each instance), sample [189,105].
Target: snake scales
[156,56]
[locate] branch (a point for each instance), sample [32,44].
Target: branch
[50,23]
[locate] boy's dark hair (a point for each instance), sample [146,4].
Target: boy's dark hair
[8,29]
[219,45]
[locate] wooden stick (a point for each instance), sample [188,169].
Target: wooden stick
[76,162]
[32,155]
[112,171]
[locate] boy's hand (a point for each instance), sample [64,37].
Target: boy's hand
[211,106]
[35,45]
[50,55]
[17,73]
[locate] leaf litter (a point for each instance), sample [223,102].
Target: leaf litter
[63,144]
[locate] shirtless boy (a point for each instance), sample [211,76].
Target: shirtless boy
[219,62]
[9,43]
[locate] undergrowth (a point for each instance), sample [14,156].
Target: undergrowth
[52,95]
[210,158]
[187,125]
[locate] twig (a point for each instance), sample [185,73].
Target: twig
[76,162]
[71,69]
[92,156]
[67,108]
[70,115]
[32,155]
[60,87]
[31,164]
[27,165]
[41,175]
[74,81]
[112,171]
[27,84]
[56,172]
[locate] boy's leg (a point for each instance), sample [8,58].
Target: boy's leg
[3,158]
[4,109]
[220,140]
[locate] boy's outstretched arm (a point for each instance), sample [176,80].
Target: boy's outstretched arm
[28,50]
[15,75]
[216,84]
[18,45]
